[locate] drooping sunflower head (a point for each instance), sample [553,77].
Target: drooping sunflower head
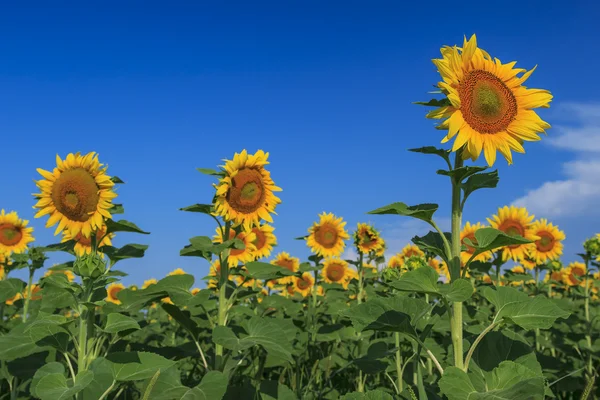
[514,221]
[264,240]
[336,270]
[111,292]
[326,237]
[83,245]
[69,274]
[574,274]
[243,255]
[245,194]
[367,239]
[487,106]
[149,282]
[468,232]
[14,234]
[549,245]
[177,271]
[304,284]
[77,194]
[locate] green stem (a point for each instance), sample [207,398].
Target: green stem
[456,318]
[70,366]
[81,352]
[398,363]
[476,342]
[223,301]
[588,338]
[28,294]
[360,277]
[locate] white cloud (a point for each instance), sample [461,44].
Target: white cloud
[579,192]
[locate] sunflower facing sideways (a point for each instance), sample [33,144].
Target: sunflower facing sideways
[468,232]
[549,245]
[77,194]
[111,292]
[237,256]
[14,234]
[574,274]
[367,239]
[326,237]
[336,270]
[488,108]
[245,194]
[83,245]
[514,221]
[303,284]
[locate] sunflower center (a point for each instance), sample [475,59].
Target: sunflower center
[247,192]
[287,264]
[335,272]
[75,194]
[260,240]
[487,104]
[10,234]
[512,228]
[303,284]
[326,235]
[546,242]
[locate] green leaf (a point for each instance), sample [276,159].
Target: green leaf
[458,291]
[445,154]
[504,345]
[26,367]
[370,395]
[48,369]
[434,103]
[131,250]
[433,243]
[199,208]
[116,180]
[266,271]
[490,239]
[55,387]
[460,174]
[103,379]
[67,247]
[421,280]
[208,171]
[133,366]
[423,212]
[116,209]
[273,390]
[116,323]
[123,226]
[374,361]
[10,287]
[212,387]
[184,320]
[47,330]
[486,180]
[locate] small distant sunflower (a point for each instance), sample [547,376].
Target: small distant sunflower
[396,261]
[411,250]
[514,221]
[556,276]
[177,271]
[83,245]
[437,264]
[286,261]
[326,237]
[489,108]
[167,300]
[304,284]
[468,232]
[77,194]
[241,280]
[336,270]
[111,292]
[237,256]
[14,234]
[528,263]
[12,300]
[264,240]
[549,245]
[367,239]
[382,249]
[69,274]
[245,194]
[486,279]
[574,274]
[149,282]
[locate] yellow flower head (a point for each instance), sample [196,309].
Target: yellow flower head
[326,238]
[149,282]
[396,261]
[237,256]
[177,271]
[77,194]
[245,194]
[14,234]
[489,108]
[284,260]
[411,250]
[336,270]
[83,245]
[264,240]
[574,274]
[514,221]
[549,245]
[303,284]
[367,239]
[111,292]
[468,232]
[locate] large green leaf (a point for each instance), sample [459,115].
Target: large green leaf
[459,290]
[273,390]
[116,323]
[132,250]
[133,366]
[55,386]
[212,387]
[491,239]
[17,344]
[123,226]
[460,174]
[182,318]
[266,271]
[10,287]
[103,379]
[423,212]
[445,154]
[371,395]
[199,208]
[421,280]
[433,243]
[485,180]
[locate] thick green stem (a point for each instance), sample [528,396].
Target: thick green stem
[456,318]
[360,277]
[398,363]
[28,294]
[476,342]
[81,352]
[588,338]
[221,322]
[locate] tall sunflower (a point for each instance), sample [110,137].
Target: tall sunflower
[245,194]
[77,194]
[111,292]
[336,270]
[326,237]
[489,108]
[514,221]
[468,232]
[237,256]
[555,276]
[367,239]
[264,241]
[549,245]
[14,234]
[304,284]
[83,245]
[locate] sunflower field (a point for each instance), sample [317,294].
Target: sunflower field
[487,311]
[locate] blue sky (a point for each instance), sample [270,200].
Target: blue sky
[325,87]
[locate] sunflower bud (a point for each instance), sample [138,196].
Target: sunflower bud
[555,265]
[89,266]
[391,274]
[414,262]
[592,246]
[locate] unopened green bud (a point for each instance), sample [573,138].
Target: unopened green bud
[391,274]
[414,262]
[555,265]
[592,246]
[89,266]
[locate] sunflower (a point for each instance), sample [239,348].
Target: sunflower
[528,263]
[396,261]
[237,256]
[336,270]
[488,108]
[244,281]
[284,260]
[514,221]
[549,245]
[83,245]
[367,239]
[437,264]
[411,250]
[245,194]
[304,284]
[14,234]
[149,282]
[215,271]
[111,292]
[77,194]
[468,232]
[11,301]
[264,241]
[69,274]
[177,271]
[34,290]
[326,238]
[574,274]
[556,276]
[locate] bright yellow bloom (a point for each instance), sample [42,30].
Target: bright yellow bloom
[440,267]
[83,245]
[215,271]
[304,284]
[468,232]
[237,256]
[574,274]
[177,271]
[396,261]
[557,276]
[489,109]
[149,282]
[411,250]
[77,194]
[245,194]
[286,261]
[367,239]
[514,221]
[549,245]
[34,290]
[336,270]
[326,238]
[14,234]
[264,241]
[167,300]
[111,292]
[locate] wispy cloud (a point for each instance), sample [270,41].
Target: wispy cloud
[579,191]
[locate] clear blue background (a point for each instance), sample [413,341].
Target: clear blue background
[159,89]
